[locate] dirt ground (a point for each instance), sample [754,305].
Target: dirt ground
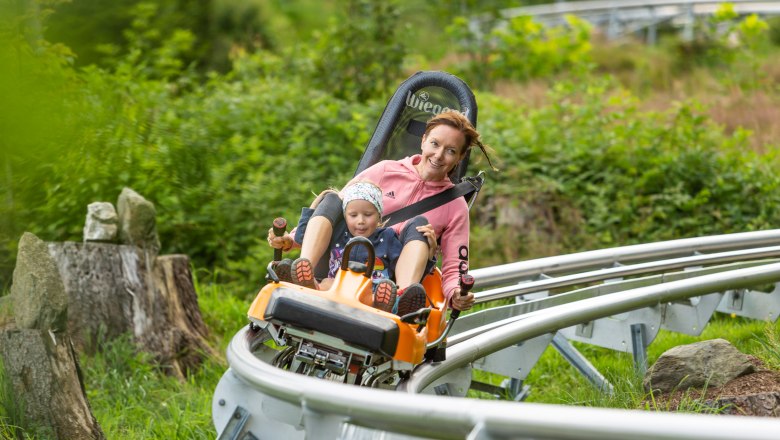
[764,380]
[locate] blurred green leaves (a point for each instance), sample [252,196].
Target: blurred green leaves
[221,155]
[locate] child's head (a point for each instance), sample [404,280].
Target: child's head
[362,204]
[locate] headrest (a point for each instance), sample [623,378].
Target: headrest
[400,128]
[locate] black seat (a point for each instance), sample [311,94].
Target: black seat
[400,128]
[361,328]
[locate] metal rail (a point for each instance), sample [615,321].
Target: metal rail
[292,405]
[254,398]
[622,271]
[628,16]
[606,258]
[578,7]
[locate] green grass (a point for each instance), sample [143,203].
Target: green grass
[131,398]
[553,380]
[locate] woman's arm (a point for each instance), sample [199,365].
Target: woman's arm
[455,246]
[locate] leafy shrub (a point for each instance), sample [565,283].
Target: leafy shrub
[726,40]
[590,170]
[519,48]
[359,57]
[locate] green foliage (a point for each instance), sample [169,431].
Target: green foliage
[525,49]
[12,416]
[519,48]
[216,157]
[224,309]
[726,40]
[774,30]
[770,345]
[359,56]
[609,174]
[41,101]
[216,153]
[92,27]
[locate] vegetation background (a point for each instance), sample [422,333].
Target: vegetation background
[227,113]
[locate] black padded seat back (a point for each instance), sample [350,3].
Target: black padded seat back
[361,328]
[400,128]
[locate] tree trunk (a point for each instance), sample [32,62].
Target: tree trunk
[118,289]
[43,369]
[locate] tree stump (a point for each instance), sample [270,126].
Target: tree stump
[49,394]
[117,289]
[40,366]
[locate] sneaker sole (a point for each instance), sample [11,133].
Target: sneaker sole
[283,270]
[384,297]
[303,274]
[411,301]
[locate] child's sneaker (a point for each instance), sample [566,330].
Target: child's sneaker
[412,299]
[303,273]
[384,296]
[283,270]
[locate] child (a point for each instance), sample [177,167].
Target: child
[362,209]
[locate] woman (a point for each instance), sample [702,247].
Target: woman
[448,137]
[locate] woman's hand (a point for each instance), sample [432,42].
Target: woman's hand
[285,242]
[430,234]
[461,302]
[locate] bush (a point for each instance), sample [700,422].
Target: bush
[590,170]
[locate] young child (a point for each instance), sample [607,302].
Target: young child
[362,208]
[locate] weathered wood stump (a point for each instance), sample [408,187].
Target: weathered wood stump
[39,362]
[70,297]
[118,289]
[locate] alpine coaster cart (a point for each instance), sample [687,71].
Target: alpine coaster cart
[336,334]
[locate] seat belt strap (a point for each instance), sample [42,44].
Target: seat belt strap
[465,187]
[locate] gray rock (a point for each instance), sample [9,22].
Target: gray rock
[38,294]
[759,405]
[710,363]
[102,223]
[137,223]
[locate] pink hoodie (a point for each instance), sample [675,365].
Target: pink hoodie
[401,186]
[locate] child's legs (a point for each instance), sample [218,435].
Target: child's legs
[410,267]
[319,231]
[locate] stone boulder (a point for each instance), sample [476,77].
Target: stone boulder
[137,222]
[710,363]
[102,223]
[38,295]
[757,405]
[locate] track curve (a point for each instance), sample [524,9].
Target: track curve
[278,403]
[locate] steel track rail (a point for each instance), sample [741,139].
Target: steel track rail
[323,409]
[617,272]
[606,258]
[605,6]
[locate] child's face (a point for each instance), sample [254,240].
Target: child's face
[362,218]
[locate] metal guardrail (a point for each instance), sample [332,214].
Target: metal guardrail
[627,16]
[630,332]
[577,7]
[271,403]
[546,282]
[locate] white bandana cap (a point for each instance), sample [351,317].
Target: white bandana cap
[362,191]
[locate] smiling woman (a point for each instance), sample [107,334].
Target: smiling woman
[441,152]
[447,139]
